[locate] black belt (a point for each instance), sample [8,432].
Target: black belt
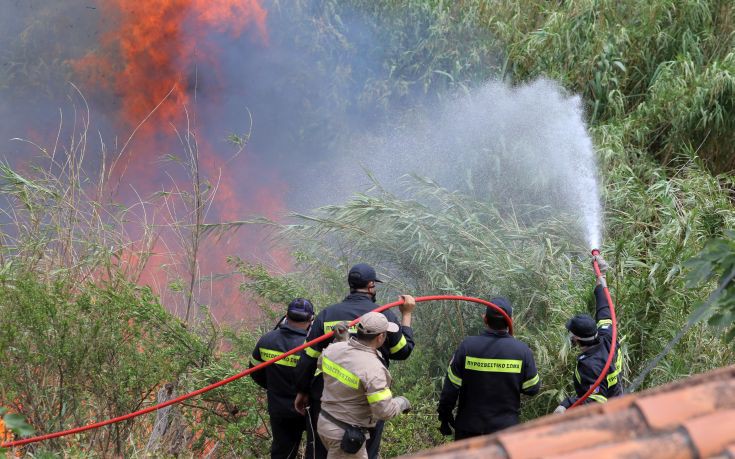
[344,425]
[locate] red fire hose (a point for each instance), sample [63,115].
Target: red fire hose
[603,373]
[260,366]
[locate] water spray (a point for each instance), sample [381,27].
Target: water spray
[603,373]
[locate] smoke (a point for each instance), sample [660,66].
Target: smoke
[318,89]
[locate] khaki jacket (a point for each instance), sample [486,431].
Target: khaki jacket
[356,384]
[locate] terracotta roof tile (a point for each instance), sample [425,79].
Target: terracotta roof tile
[674,446]
[713,433]
[582,432]
[672,408]
[694,417]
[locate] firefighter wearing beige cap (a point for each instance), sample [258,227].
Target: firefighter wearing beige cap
[356,389]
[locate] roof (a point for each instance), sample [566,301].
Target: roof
[689,418]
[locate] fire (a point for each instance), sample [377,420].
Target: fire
[148,62]
[158,45]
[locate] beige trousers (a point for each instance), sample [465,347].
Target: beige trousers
[331,435]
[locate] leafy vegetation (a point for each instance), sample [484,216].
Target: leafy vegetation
[80,341]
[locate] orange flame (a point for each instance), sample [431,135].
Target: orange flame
[146,60]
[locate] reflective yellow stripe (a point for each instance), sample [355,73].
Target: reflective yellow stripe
[401,344]
[254,361]
[289,361]
[612,378]
[328,326]
[380,395]
[456,380]
[598,398]
[576,374]
[602,322]
[493,365]
[340,373]
[530,383]
[313,353]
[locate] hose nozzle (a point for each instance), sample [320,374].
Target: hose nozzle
[595,252]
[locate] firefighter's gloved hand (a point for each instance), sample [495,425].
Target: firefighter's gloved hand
[405,405]
[341,332]
[447,425]
[560,409]
[601,263]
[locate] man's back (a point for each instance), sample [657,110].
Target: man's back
[356,384]
[398,346]
[278,379]
[488,373]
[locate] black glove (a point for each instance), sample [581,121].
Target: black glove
[447,425]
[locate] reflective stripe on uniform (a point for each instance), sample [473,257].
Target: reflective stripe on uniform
[380,395]
[289,361]
[493,365]
[313,353]
[340,373]
[454,379]
[612,378]
[598,398]
[254,361]
[530,383]
[400,345]
[602,322]
[328,326]
[576,374]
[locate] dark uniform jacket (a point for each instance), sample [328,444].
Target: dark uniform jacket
[488,373]
[278,378]
[397,346]
[591,362]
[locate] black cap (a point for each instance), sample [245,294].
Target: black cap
[583,327]
[300,309]
[360,275]
[503,303]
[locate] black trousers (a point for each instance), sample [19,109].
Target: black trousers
[314,443]
[287,432]
[462,434]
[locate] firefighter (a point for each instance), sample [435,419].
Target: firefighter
[398,345]
[357,391]
[287,425]
[594,337]
[488,373]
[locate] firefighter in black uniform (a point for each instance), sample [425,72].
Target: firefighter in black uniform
[287,425]
[398,346]
[488,373]
[594,337]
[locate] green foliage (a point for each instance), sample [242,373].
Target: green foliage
[717,259]
[100,353]
[16,423]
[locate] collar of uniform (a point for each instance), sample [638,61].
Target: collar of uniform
[298,331]
[498,333]
[358,296]
[588,350]
[358,345]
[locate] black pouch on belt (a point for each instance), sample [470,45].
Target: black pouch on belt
[352,439]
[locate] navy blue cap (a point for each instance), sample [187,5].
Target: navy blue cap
[300,308]
[503,303]
[361,274]
[583,327]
